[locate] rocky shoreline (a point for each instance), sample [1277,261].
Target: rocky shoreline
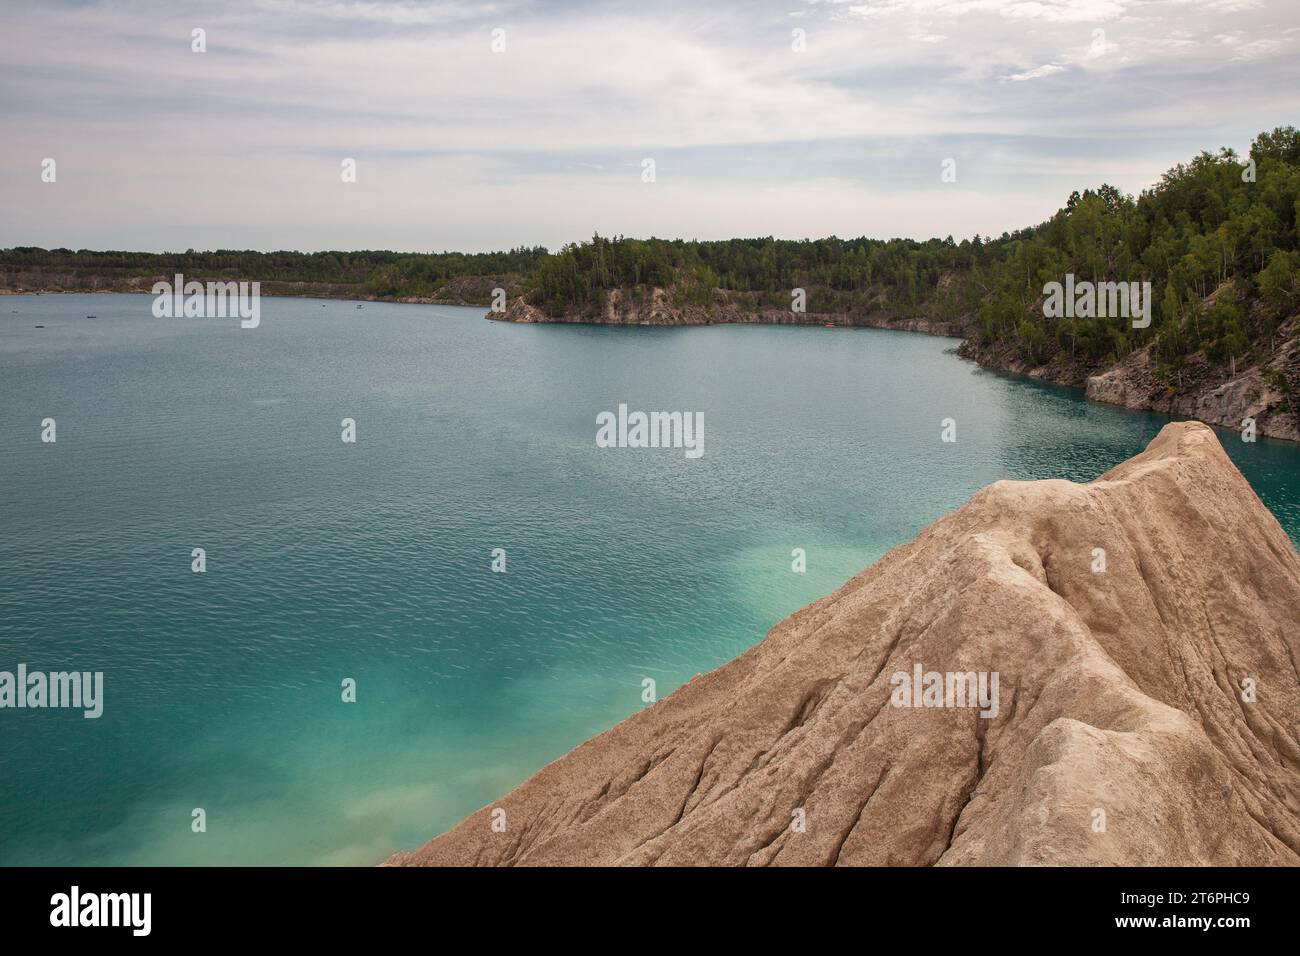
[1251,395]
[1254,393]
[620,311]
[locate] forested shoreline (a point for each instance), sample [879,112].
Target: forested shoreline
[364,274]
[1216,239]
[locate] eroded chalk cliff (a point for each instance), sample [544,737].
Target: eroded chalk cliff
[1148,713]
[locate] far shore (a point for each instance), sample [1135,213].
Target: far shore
[340,297]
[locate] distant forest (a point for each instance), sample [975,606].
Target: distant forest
[378,274]
[1216,238]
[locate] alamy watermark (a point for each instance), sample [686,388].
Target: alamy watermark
[924,688]
[651,430]
[37,689]
[215,300]
[1086,300]
[129,910]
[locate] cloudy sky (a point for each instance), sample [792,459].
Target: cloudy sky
[458,146]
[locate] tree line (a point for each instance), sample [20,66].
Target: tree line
[376,273]
[1216,238]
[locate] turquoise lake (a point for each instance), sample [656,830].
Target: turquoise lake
[372,560]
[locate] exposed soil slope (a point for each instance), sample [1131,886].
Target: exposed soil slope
[1121,693]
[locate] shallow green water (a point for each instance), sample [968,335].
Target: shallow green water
[372,561]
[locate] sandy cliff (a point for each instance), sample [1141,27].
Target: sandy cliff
[1125,732]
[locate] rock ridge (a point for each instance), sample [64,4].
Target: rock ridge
[1149,713]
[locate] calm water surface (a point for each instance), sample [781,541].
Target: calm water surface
[372,561]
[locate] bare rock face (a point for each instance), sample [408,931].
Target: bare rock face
[517,310]
[656,306]
[1252,394]
[1148,706]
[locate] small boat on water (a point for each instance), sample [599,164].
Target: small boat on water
[830,325]
[92,316]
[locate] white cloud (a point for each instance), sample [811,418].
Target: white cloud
[1256,49]
[1050,11]
[1047,69]
[398,13]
